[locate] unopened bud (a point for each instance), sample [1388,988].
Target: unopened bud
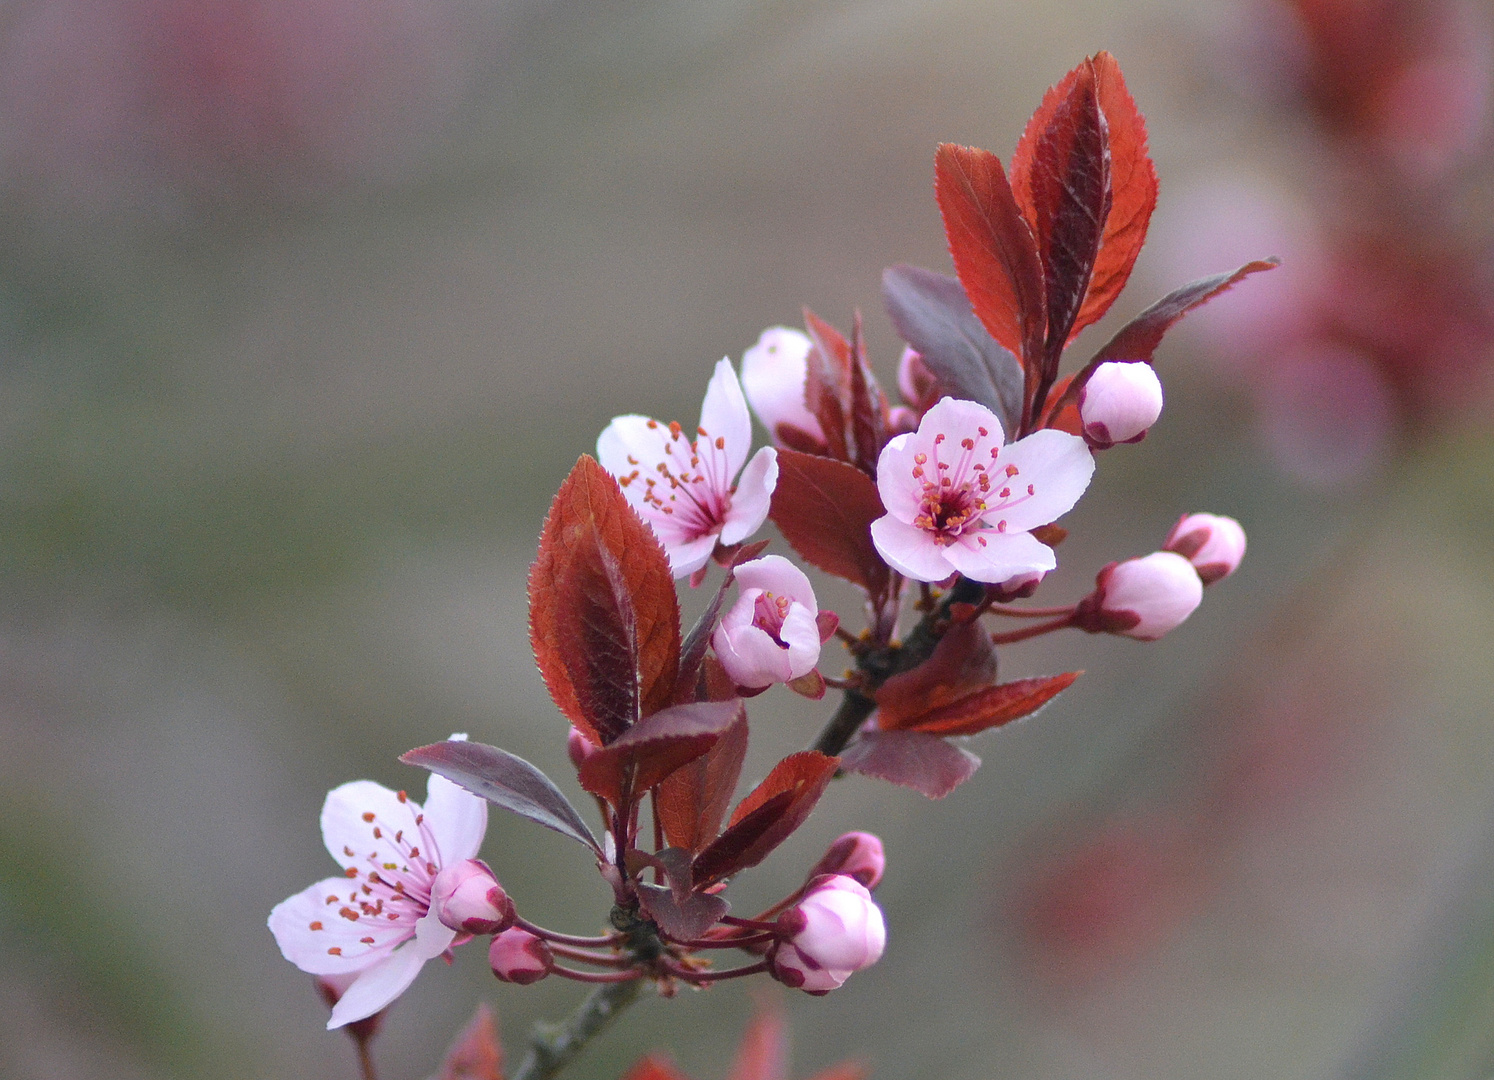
[837,929]
[919,386]
[517,956]
[1213,544]
[578,747]
[857,855]
[1119,402]
[1141,598]
[467,897]
[773,375]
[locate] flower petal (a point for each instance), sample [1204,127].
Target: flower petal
[456,818]
[1057,465]
[773,376]
[351,816]
[306,926]
[802,636]
[910,550]
[775,574]
[753,497]
[687,556]
[1002,557]
[901,491]
[724,415]
[377,986]
[751,657]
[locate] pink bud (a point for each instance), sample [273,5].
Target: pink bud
[1142,598]
[1119,402]
[517,956]
[578,747]
[773,375]
[837,929]
[466,896]
[919,386]
[857,855]
[1213,544]
[771,634]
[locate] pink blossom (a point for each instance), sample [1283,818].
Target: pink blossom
[1119,402]
[517,956]
[1142,598]
[857,855]
[836,930]
[958,501]
[770,634]
[1213,544]
[683,488]
[374,921]
[466,896]
[773,375]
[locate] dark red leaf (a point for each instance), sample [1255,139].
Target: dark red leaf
[506,781]
[763,1053]
[932,314]
[827,384]
[962,661]
[477,1053]
[676,864]
[682,919]
[993,248]
[992,707]
[693,800]
[655,1067]
[767,816]
[655,747]
[1133,186]
[603,618]
[825,508]
[867,407]
[912,759]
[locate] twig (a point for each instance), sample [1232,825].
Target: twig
[554,1046]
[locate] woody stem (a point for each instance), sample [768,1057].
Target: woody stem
[554,1046]
[1026,632]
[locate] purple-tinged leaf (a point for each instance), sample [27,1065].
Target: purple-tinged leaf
[824,509]
[693,800]
[505,780]
[767,816]
[674,863]
[911,759]
[682,920]
[932,314]
[654,747]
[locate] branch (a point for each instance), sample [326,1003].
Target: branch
[554,1046]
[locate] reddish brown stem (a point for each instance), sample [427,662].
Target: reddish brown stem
[729,942]
[1030,613]
[714,976]
[567,939]
[1033,631]
[595,976]
[612,960]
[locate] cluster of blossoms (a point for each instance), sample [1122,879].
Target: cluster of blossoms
[956,489]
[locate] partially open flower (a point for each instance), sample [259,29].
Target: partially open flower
[773,375]
[770,635]
[467,897]
[684,487]
[517,956]
[836,930]
[1213,544]
[1118,404]
[857,855]
[959,501]
[1142,598]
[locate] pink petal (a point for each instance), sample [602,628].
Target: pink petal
[1057,465]
[456,818]
[292,920]
[687,556]
[773,375]
[724,415]
[775,574]
[753,497]
[802,636]
[958,419]
[1002,557]
[350,837]
[910,550]
[631,437]
[750,656]
[901,491]
[377,986]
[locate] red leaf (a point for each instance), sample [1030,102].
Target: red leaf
[763,1053]
[825,508]
[654,748]
[868,407]
[994,252]
[693,800]
[912,759]
[1139,338]
[1133,186]
[767,816]
[993,706]
[964,659]
[655,1067]
[827,382]
[603,618]
[477,1053]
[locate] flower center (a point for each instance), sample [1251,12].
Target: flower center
[768,613]
[959,496]
[692,488]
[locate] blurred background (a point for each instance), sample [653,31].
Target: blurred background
[306,307]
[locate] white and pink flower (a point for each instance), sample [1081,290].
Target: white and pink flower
[374,921]
[1212,543]
[684,487]
[857,855]
[835,931]
[1143,598]
[771,634]
[958,501]
[1119,403]
[774,372]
